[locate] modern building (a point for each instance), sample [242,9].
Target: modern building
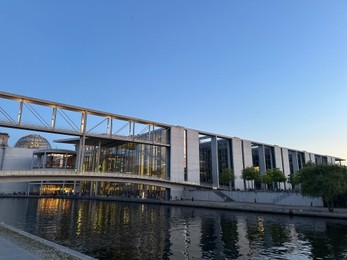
[34,152]
[133,146]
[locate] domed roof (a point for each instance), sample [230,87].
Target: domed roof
[33,142]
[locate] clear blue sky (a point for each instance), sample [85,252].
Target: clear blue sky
[269,71]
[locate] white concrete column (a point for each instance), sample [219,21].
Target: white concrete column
[247,153]
[177,154]
[237,162]
[307,157]
[286,167]
[278,158]
[193,156]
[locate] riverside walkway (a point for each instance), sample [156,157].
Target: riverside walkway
[20,245]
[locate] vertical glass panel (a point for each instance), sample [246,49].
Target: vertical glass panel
[255,155]
[224,154]
[269,157]
[205,159]
[291,161]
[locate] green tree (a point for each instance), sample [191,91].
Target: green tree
[267,178]
[273,176]
[227,177]
[322,180]
[251,173]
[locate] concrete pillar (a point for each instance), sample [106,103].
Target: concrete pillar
[214,155]
[307,157]
[285,160]
[247,153]
[193,156]
[177,154]
[237,162]
[278,158]
[99,155]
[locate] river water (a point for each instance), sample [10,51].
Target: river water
[118,230]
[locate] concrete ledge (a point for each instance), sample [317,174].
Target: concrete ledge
[40,247]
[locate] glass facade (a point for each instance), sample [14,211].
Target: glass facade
[269,153]
[152,133]
[127,190]
[301,159]
[291,161]
[255,155]
[32,142]
[56,159]
[131,158]
[224,157]
[205,160]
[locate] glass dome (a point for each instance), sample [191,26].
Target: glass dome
[33,142]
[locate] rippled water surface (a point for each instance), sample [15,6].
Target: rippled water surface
[115,230]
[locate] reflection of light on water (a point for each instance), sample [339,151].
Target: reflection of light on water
[260,225]
[140,231]
[126,217]
[79,221]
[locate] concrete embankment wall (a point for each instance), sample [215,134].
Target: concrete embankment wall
[277,198]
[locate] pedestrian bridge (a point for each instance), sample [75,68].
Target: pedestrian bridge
[71,175]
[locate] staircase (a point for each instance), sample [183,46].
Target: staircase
[223,196]
[281,197]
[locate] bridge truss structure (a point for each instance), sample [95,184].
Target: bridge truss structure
[27,113]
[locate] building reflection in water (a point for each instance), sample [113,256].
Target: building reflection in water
[112,230]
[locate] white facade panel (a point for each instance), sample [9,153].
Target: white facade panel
[193,156]
[177,154]
[278,158]
[286,168]
[307,157]
[247,153]
[329,159]
[238,163]
[15,159]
